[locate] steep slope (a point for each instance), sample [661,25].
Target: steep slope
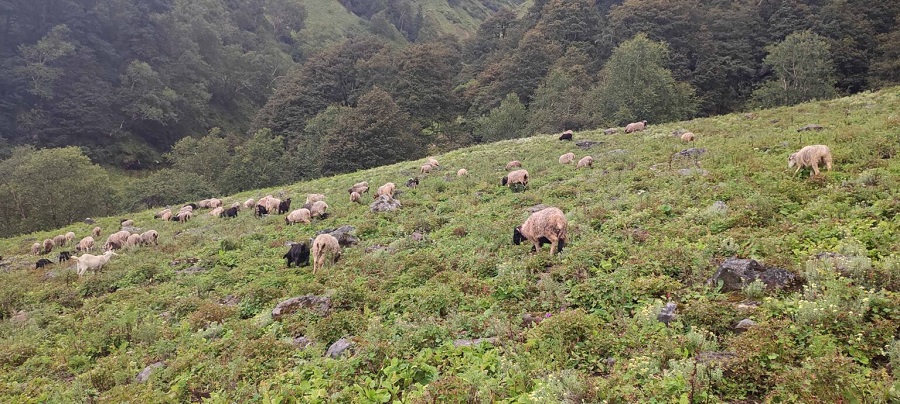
[643,228]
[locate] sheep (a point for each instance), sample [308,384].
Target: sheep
[687,137]
[86,244]
[548,225]
[203,204]
[217,211]
[386,189]
[285,206]
[192,206]
[299,215]
[167,216]
[64,256]
[311,198]
[264,201]
[36,249]
[215,203]
[318,209]
[249,203]
[586,161]
[567,135]
[92,262]
[133,240]
[462,172]
[811,156]
[355,197]
[42,263]
[516,177]
[70,237]
[322,246]
[59,240]
[635,126]
[184,216]
[567,158]
[272,204]
[412,182]
[150,237]
[96,231]
[126,223]
[513,164]
[261,211]
[298,254]
[48,246]
[425,169]
[432,162]
[236,205]
[230,212]
[116,240]
[359,187]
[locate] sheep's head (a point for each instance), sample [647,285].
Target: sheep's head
[792,160]
[504,181]
[518,238]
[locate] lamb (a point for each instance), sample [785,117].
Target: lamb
[70,237]
[318,209]
[48,246]
[635,126]
[312,198]
[513,164]
[687,137]
[126,223]
[96,231]
[298,255]
[516,177]
[359,187]
[150,237]
[412,182]
[36,249]
[811,156]
[548,225]
[133,240]
[249,203]
[184,216]
[432,162]
[586,161]
[42,263]
[167,215]
[92,262]
[217,211]
[285,205]
[230,212]
[462,172]
[386,189]
[355,197]
[86,244]
[59,240]
[322,246]
[567,135]
[567,158]
[297,216]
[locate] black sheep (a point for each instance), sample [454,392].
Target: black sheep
[261,210]
[64,256]
[284,206]
[567,135]
[192,205]
[412,182]
[298,255]
[230,212]
[42,263]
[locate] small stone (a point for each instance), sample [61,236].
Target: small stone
[89,221]
[667,314]
[610,131]
[338,348]
[145,374]
[745,325]
[320,304]
[301,342]
[417,236]
[384,203]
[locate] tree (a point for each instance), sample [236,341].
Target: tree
[886,67]
[504,122]
[207,157]
[260,162]
[166,187]
[143,96]
[557,103]
[803,71]
[40,69]
[634,85]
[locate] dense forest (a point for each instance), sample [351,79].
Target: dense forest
[210,96]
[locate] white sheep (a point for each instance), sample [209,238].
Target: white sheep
[688,137]
[355,197]
[323,245]
[48,246]
[516,177]
[92,262]
[811,156]
[462,172]
[215,203]
[567,158]
[301,215]
[386,189]
[96,231]
[133,240]
[36,249]
[160,214]
[116,240]
[167,215]
[513,164]
[203,204]
[313,198]
[635,126]
[359,187]
[586,161]
[249,203]
[126,223]
[184,216]
[425,169]
[217,211]
[272,204]
[548,225]
[432,162]
[86,244]
[59,240]
[318,209]
[150,237]
[70,237]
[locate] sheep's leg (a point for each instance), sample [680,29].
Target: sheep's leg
[537,246]
[554,247]
[815,170]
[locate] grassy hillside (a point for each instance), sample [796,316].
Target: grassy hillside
[642,233]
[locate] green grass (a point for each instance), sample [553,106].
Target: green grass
[640,233]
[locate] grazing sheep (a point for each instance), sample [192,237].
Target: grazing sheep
[412,182]
[86,244]
[546,225]
[567,158]
[217,211]
[92,262]
[116,240]
[586,161]
[516,177]
[249,203]
[184,216]
[285,206]
[298,255]
[42,263]
[167,216]
[215,203]
[433,162]
[462,172]
[161,213]
[687,137]
[203,204]
[59,240]
[272,204]
[425,169]
[635,126]
[70,237]
[359,187]
[811,156]
[301,215]
[63,256]
[126,223]
[567,135]
[96,231]
[355,197]
[230,212]
[36,249]
[513,164]
[133,240]
[150,237]
[318,209]
[236,205]
[322,246]
[312,198]
[261,211]
[48,246]
[193,206]
[386,189]
[264,201]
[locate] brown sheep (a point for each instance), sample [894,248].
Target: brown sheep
[513,164]
[586,161]
[215,203]
[811,156]
[318,209]
[86,244]
[567,135]
[150,237]
[516,177]
[301,215]
[386,189]
[36,249]
[548,225]
[126,223]
[313,198]
[133,240]
[70,237]
[249,203]
[425,169]
[635,126]
[96,231]
[323,245]
[355,197]
[567,158]
[688,137]
[462,172]
[217,211]
[359,187]
[48,246]
[59,240]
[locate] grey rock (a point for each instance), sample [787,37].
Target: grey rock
[301,342]
[230,300]
[384,203]
[377,247]
[343,235]
[587,144]
[745,325]
[810,127]
[417,236]
[736,273]
[191,270]
[338,348]
[145,374]
[537,208]
[667,314]
[692,152]
[719,207]
[474,342]
[610,131]
[320,304]
[778,278]
[89,221]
